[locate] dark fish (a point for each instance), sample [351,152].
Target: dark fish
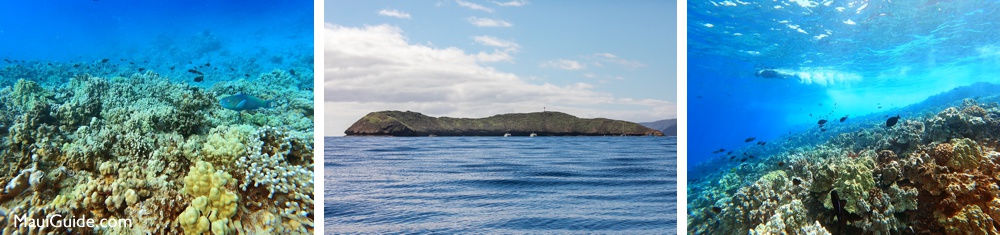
[208,64]
[142,69]
[892,121]
[796,181]
[810,115]
[729,153]
[195,71]
[781,164]
[132,63]
[885,116]
[6,60]
[722,150]
[745,154]
[751,156]
[172,67]
[716,209]
[240,102]
[731,158]
[246,75]
[199,78]
[743,160]
[761,143]
[822,129]
[838,205]
[105,60]
[76,65]
[749,139]
[843,118]
[291,71]
[879,106]
[821,121]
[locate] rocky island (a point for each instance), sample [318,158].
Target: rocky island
[398,123]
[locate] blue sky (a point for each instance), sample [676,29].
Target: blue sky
[480,58]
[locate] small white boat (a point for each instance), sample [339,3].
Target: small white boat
[506,135]
[533,135]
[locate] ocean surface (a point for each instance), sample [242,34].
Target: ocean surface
[843,117]
[500,185]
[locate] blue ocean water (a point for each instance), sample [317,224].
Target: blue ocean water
[236,39]
[500,185]
[863,60]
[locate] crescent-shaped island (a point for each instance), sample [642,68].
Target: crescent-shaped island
[399,123]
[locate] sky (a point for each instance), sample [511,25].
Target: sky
[472,59]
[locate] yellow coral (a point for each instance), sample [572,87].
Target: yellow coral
[213,205]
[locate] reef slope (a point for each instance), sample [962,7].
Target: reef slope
[398,123]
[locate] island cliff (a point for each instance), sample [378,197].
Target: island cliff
[398,123]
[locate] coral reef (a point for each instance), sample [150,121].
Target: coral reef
[935,174]
[157,152]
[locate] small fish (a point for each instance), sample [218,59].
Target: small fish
[810,115]
[76,65]
[105,60]
[822,129]
[291,71]
[731,158]
[208,64]
[199,78]
[838,205]
[821,121]
[729,153]
[892,121]
[880,107]
[172,67]
[749,139]
[743,160]
[745,154]
[843,118]
[195,71]
[751,156]
[761,143]
[142,69]
[240,102]
[796,181]
[716,209]
[781,164]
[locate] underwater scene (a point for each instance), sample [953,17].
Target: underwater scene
[172,117]
[843,117]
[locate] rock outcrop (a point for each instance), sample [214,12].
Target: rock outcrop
[397,123]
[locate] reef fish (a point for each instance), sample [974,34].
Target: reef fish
[821,121]
[749,139]
[240,102]
[843,118]
[838,205]
[892,121]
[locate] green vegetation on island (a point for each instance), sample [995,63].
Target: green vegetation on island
[398,123]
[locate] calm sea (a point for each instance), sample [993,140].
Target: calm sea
[501,185]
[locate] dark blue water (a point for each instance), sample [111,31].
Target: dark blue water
[500,185]
[845,58]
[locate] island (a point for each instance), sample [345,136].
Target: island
[399,123]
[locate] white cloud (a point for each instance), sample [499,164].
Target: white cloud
[495,42]
[487,22]
[376,68]
[563,64]
[394,13]
[598,58]
[473,6]
[515,3]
